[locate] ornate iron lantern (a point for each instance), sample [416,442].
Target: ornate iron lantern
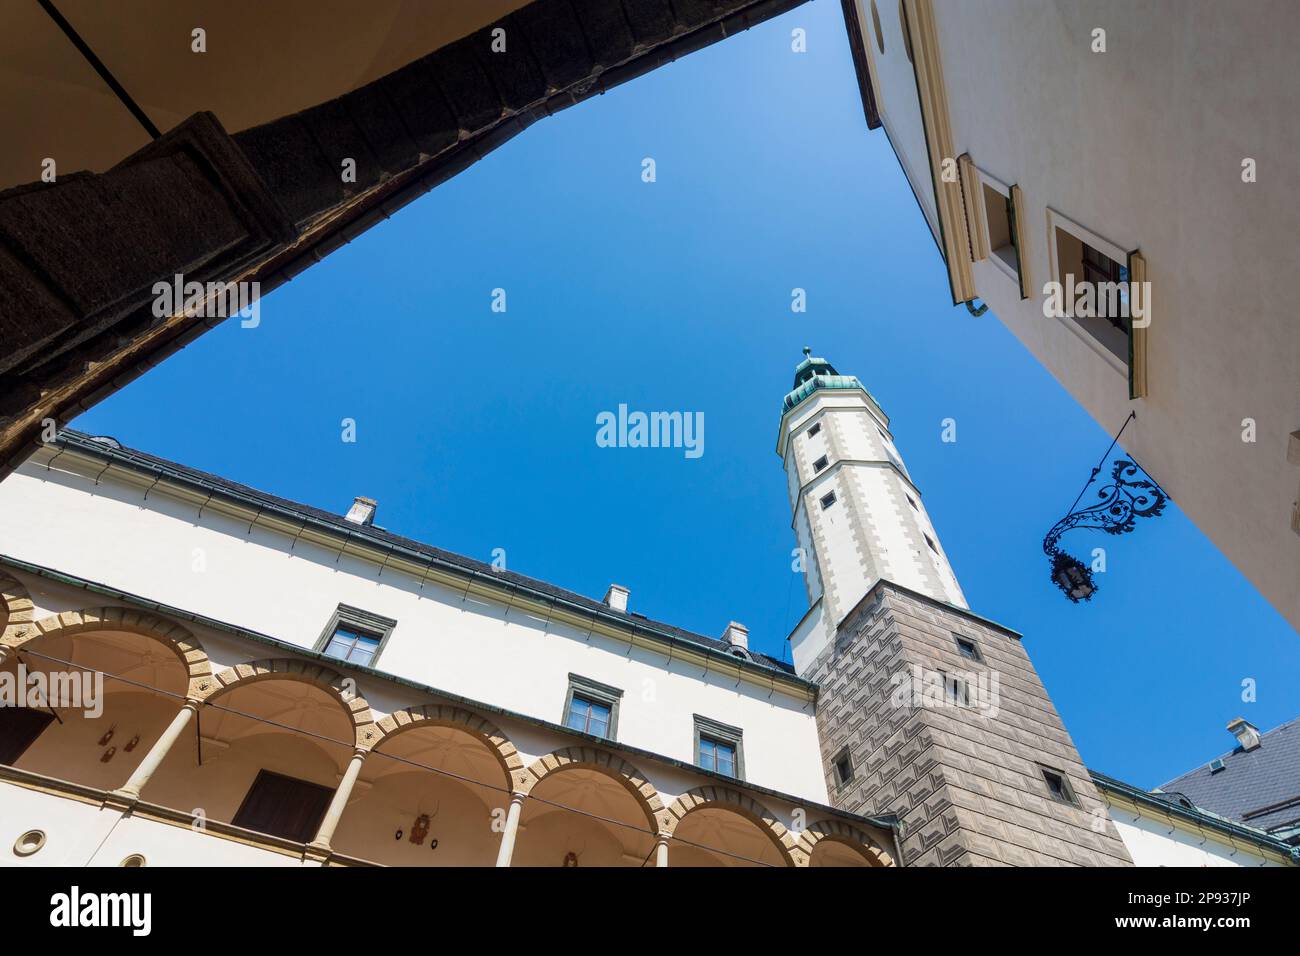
[1121,502]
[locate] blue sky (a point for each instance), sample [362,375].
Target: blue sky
[476,430]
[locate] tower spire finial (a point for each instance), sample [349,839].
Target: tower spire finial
[807,350]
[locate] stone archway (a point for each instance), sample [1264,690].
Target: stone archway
[590,758]
[367,733]
[15,604]
[441,715]
[178,639]
[725,798]
[841,832]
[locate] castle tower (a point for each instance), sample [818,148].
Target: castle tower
[925,710]
[857,515]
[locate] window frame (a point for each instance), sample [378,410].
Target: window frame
[813,429]
[977,656]
[1069,797]
[821,464]
[841,780]
[721,733]
[827,503]
[1013,272]
[345,615]
[1057,220]
[598,693]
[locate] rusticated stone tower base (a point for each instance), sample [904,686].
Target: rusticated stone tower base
[965,751]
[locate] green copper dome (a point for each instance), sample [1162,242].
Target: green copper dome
[814,373]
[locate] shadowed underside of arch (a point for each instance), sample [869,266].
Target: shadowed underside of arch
[178,639]
[443,715]
[590,758]
[724,798]
[852,837]
[286,668]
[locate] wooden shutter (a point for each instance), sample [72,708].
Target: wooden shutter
[284,807]
[19,728]
[1015,212]
[1137,337]
[973,198]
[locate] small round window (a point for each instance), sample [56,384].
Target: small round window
[135,859]
[875,22]
[29,843]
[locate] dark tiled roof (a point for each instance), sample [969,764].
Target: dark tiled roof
[1259,787]
[131,457]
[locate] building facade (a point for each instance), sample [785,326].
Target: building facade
[281,685]
[1063,145]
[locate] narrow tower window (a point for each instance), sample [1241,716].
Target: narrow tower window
[828,499]
[930,541]
[1058,786]
[814,430]
[820,463]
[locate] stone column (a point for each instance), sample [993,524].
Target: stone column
[132,788]
[339,802]
[512,829]
[661,849]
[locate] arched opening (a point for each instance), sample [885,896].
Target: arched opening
[111,694]
[835,852]
[273,750]
[719,835]
[584,815]
[402,814]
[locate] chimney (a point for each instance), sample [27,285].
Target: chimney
[362,511]
[616,597]
[737,635]
[1246,733]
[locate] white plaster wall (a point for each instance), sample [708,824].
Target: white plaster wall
[1143,145]
[485,651]
[1151,843]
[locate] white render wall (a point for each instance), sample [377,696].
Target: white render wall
[1157,843]
[505,657]
[1143,145]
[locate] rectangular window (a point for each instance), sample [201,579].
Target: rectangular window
[1003,209]
[1097,281]
[967,649]
[814,430]
[718,747]
[828,499]
[911,501]
[589,716]
[718,755]
[284,807]
[355,636]
[956,690]
[843,767]
[353,645]
[19,728]
[930,541]
[819,464]
[1058,786]
[592,707]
